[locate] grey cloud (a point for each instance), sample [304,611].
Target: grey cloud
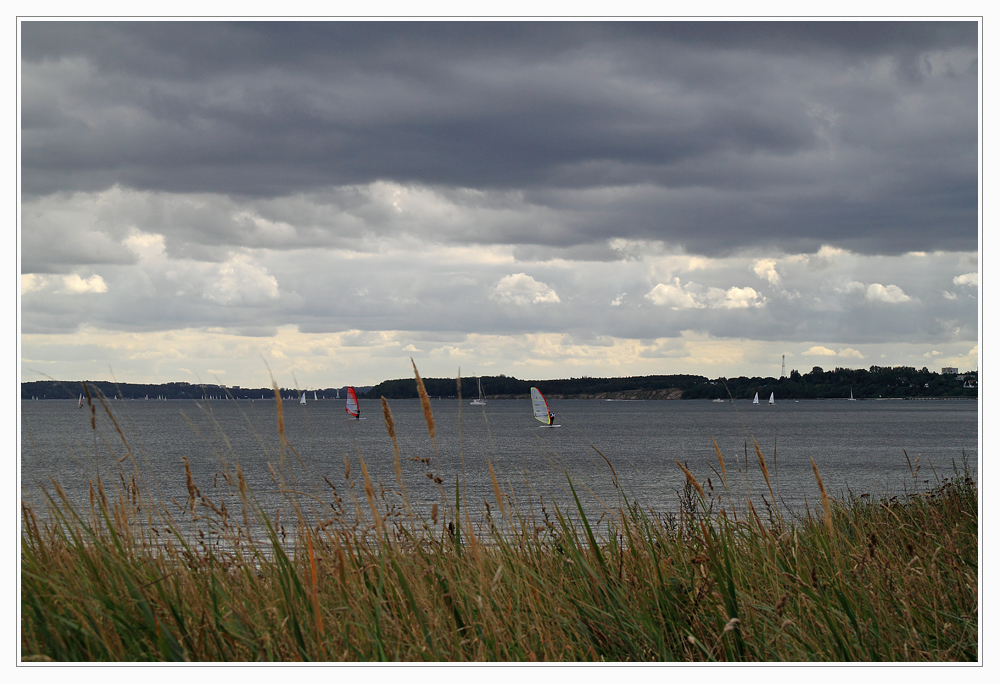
[742,134]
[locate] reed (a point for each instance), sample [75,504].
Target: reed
[133,578]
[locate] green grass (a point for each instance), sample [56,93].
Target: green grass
[863,580]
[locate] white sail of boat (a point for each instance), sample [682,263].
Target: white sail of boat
[338,394]
[314,397]
[755,400]
[302,399]
[353,408]
[540,408]
[481,401]
[852,395]
[771,400]
[79,404]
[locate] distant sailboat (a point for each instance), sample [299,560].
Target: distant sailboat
[302,399]
[755,400]
[338,394]
[771,400]
[481,401]
[314,397]
[852,395]
[79,404]
[353,408]
[540,407]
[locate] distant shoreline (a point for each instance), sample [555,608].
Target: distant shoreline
[875,384]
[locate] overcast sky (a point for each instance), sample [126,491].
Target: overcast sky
[205,201]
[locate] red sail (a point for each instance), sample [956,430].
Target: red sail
[352,403]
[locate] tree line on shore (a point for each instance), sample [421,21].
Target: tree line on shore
[876,382]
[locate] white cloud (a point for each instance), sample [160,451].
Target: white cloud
[523,290]
[969,279]
[890,294]
[951,296]
[844,353]
[239,281]
[819,351]
[617,301]
[74,284]
[674,296]
[765,269]
[31,282]
[734,298]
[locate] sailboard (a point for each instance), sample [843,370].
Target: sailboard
[540,407]
[353,408]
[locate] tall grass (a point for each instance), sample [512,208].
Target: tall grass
[126,579]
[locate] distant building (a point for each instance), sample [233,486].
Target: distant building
[948,370]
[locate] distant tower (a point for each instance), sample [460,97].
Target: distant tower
[782,365]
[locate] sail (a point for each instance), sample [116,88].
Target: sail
[302,399]
[755,398]
[540,406]
[771,400]
[481,401]
[352,403]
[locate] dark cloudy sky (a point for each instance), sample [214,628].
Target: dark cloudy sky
[204,200]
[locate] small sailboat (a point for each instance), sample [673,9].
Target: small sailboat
[353,408]
[771,400]
[315,398]
[540,407]
[481,401]
[302,399]
[852,395]
[338,394]
[755,400]
[79,404]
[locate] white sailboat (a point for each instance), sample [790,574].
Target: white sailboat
[852,395]
[755,400]
[79,404]
[481,401]
[315,398]
[302,399]
[540,408]
[771,400]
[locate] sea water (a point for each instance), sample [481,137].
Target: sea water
[611,451]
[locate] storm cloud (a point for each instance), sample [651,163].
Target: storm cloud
[794,183]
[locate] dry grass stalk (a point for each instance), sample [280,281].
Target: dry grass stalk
[827,515]
[315,588]
[370,495]
[722,463]
[691,479]
[425,403]
[496,488]
[763,469]
[390,427]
